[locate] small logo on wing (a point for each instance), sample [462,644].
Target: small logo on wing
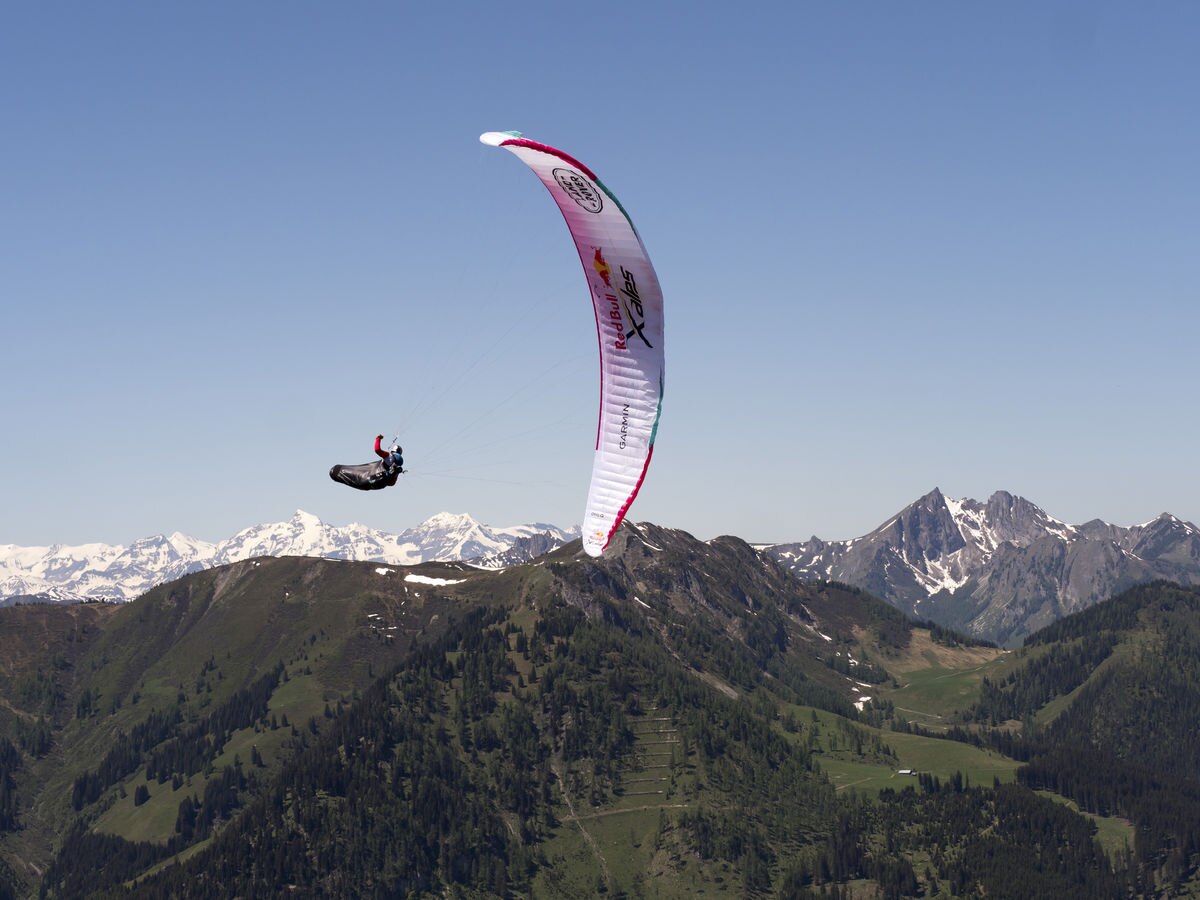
[579,189]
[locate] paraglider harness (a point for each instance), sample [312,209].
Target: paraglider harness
[393,462]
[373,476]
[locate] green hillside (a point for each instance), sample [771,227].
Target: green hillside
[1109,701]
[113,683]
[681,717]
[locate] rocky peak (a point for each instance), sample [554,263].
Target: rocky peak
[926,530]
[999,568]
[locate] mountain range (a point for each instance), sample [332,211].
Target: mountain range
[998,570]
[116,572]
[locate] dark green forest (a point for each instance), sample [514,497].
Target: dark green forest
[1126,746]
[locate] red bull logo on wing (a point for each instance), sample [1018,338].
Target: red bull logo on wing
[600,264]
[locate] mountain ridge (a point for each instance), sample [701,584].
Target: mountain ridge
[97,571]
[997,569]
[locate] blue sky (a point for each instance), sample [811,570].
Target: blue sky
[901,245]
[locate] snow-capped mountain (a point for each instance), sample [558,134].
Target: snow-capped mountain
[523,550]
[306,535]
[99,571]
[999,569]
[113,572]
[448,537]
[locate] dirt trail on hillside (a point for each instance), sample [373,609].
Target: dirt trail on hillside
[591,842]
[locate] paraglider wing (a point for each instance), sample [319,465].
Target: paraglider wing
[629,322]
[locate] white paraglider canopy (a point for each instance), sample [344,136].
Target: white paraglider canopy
[627,301]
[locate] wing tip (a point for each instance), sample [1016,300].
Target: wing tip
[497,138]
